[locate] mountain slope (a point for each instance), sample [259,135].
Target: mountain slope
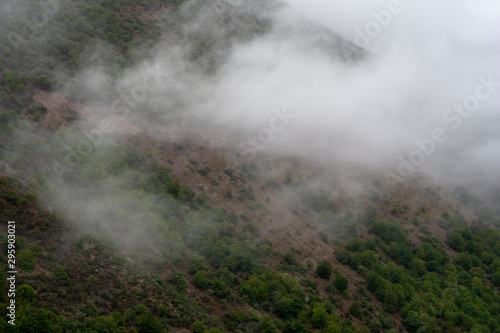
[164,224]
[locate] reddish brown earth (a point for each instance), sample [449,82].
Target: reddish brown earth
[210,150]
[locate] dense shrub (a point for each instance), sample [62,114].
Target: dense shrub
[340,282]
[26,292]
[201,281]
[324,269]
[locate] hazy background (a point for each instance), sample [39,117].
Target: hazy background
[350,105]
[428,58]
[229,64]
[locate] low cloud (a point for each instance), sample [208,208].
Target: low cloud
[365,103]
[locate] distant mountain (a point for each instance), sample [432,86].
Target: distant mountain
[137,223]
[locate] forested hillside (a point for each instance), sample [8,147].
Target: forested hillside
[157,222]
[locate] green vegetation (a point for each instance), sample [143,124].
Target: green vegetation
[340,282]
[122,237]
[324,269]
[274,292]
[428,288]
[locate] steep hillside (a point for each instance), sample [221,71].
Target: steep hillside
[231,226]
[156,221]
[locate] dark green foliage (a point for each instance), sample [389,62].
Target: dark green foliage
[389,231]
[43,82]
[251,228]
[37,108]
[201,281]
[455,240]
[355,245]
[198,327]
[237,319]
[179,282]
[344,257]
[147,323]
[495,278]
[13,198]
[294,326]
[182,230]
[324,269]
[38,320]
[340,282]
[319,317]
[367,258]
[434,256]
[267,326]
[88,309]
[26,293]
[28,257]
[60,274]
[220,289]
[276,292]
[373,280]
[237,258]
[162,182]
[401,253]
[15,82]
[232,217]
[196,263]
[426,304]
[356,310]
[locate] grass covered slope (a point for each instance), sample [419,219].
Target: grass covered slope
[167,253]
[153,233]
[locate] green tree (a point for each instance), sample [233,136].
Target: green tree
[367,258]
[373,280]
[340,282]
[179,282]
[355,245]
[201,281]
[220,289]
[495,278]
[455,240]
[196,263]
[60,274]
[39,320]
[324,269]
[26,292]
[28,257]
[333,328]
[267,326]
[198,327]
[319,318]
[147,323]
[294,326]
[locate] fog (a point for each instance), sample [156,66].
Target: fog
[310,79]
[427,58]
[366,82]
